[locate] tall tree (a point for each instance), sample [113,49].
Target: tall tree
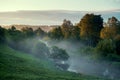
[39,32]
[91,26]
[111,29]
[67,28]
[56,33]
[28,32]
[2,35]
[75,33]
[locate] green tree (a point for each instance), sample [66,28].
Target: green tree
[56,33]
[40,50]
[14,35]
[105,47]
[39,32]
[75,33]
[67,27]
[90,26]
[2,35]
[59,54]
[28,32]
[111,29]
[13,28]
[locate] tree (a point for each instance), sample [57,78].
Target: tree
[56,33]
[40,50]
[39,32]
[90,26]
[13,28]
[111,29]
[113,21]
[117,40]
[59,54]
[67,28]
[105,47]
[28,32]
[75,33]
[2,35]
[14,35]
[59,57]
[108,33]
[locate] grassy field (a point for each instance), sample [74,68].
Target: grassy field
[15,65]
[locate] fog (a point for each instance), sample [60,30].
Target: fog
[77,62]
[84,64]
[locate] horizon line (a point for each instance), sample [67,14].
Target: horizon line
[66,10]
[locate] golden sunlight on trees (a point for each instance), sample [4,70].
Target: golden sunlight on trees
[91,26]
[111,29]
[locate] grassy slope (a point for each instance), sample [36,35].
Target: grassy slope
[15,65]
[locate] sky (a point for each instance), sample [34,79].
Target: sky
[76,5]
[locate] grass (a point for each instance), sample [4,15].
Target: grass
[15,65]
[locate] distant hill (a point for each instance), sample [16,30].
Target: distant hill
[50,17]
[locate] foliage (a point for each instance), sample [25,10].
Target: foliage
[28,32]
[75,33]
[117,39]
[111,29]
[105,47]
[67,27]
[2,35]
[108,32]
[39,32]
[91,26]
[40,50]
[59,54]
[56,33]
[14,35]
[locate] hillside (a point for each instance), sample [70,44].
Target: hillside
[16,65]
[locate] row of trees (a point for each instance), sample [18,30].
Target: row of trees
[90,30]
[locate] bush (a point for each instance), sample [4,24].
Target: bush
[40,50]
[59,54]
[105,47]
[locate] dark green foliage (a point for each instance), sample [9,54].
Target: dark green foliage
[39,32]
[75,33]
[67,27]
[91,26]
[118,45]
[40,50]
[106,47]
[56,33]
[2,35]
[59,54]
[28,32]
[14,35]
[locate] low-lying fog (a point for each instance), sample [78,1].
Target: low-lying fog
[83,64]
[78,63]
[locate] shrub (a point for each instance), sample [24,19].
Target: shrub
[105,48]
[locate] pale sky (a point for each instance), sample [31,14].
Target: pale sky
[77,5]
